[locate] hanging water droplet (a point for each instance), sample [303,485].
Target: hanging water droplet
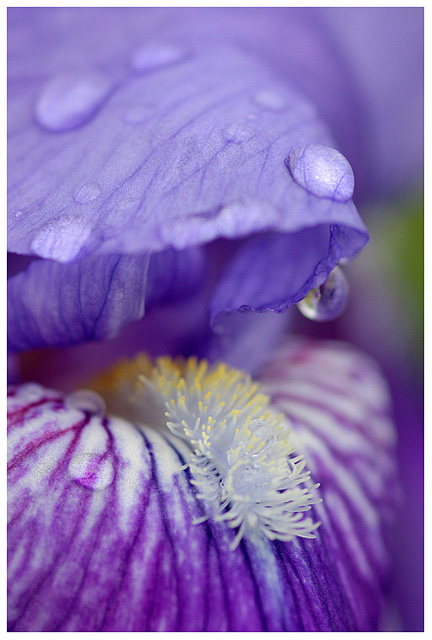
[322,171]
[69,100]
[156,56]
[138,113]
[269,99]
[327,301]
[238,133]
[87,193]
[86,400]
[91,471]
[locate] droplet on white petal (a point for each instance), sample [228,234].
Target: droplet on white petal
[91,471]
[86,400]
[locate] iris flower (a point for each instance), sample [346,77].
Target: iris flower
[175,178]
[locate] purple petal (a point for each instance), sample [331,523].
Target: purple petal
[244,340]
[278,270]
[92,299]
[101,535]
[205,159]
[361,66]
[173,275]
[338,406]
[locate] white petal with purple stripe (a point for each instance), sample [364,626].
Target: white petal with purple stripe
[101,533]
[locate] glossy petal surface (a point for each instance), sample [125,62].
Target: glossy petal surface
[101,534]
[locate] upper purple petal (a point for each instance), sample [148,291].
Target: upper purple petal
[101,535]
[170,154]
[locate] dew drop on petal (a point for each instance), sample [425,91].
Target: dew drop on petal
[18,214]
[156,56]
[69,100]
[91,471]
[327,301]
[87,193]
[269,99]
[322,171]
[86,400]
[238,133]
[264,431]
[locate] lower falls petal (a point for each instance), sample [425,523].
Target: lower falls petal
[101,533]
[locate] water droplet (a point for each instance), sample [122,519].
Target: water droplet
[87,193]
[92,471]
[265,432]
[69,100]
[18,214]
[156,56]
[327,301]
[238,133]
[138,113]
[86,400]
[268,99]
[322,171]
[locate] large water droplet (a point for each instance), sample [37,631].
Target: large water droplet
[86,400]
[87,193]
[70,99]
[269,99]
[92,471]
[156,56]
[138,113]
[238,133]
[322,171]
[327,301]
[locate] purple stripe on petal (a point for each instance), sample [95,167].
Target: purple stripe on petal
[101,533]
[121,553]
[338,406]
[92,299]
